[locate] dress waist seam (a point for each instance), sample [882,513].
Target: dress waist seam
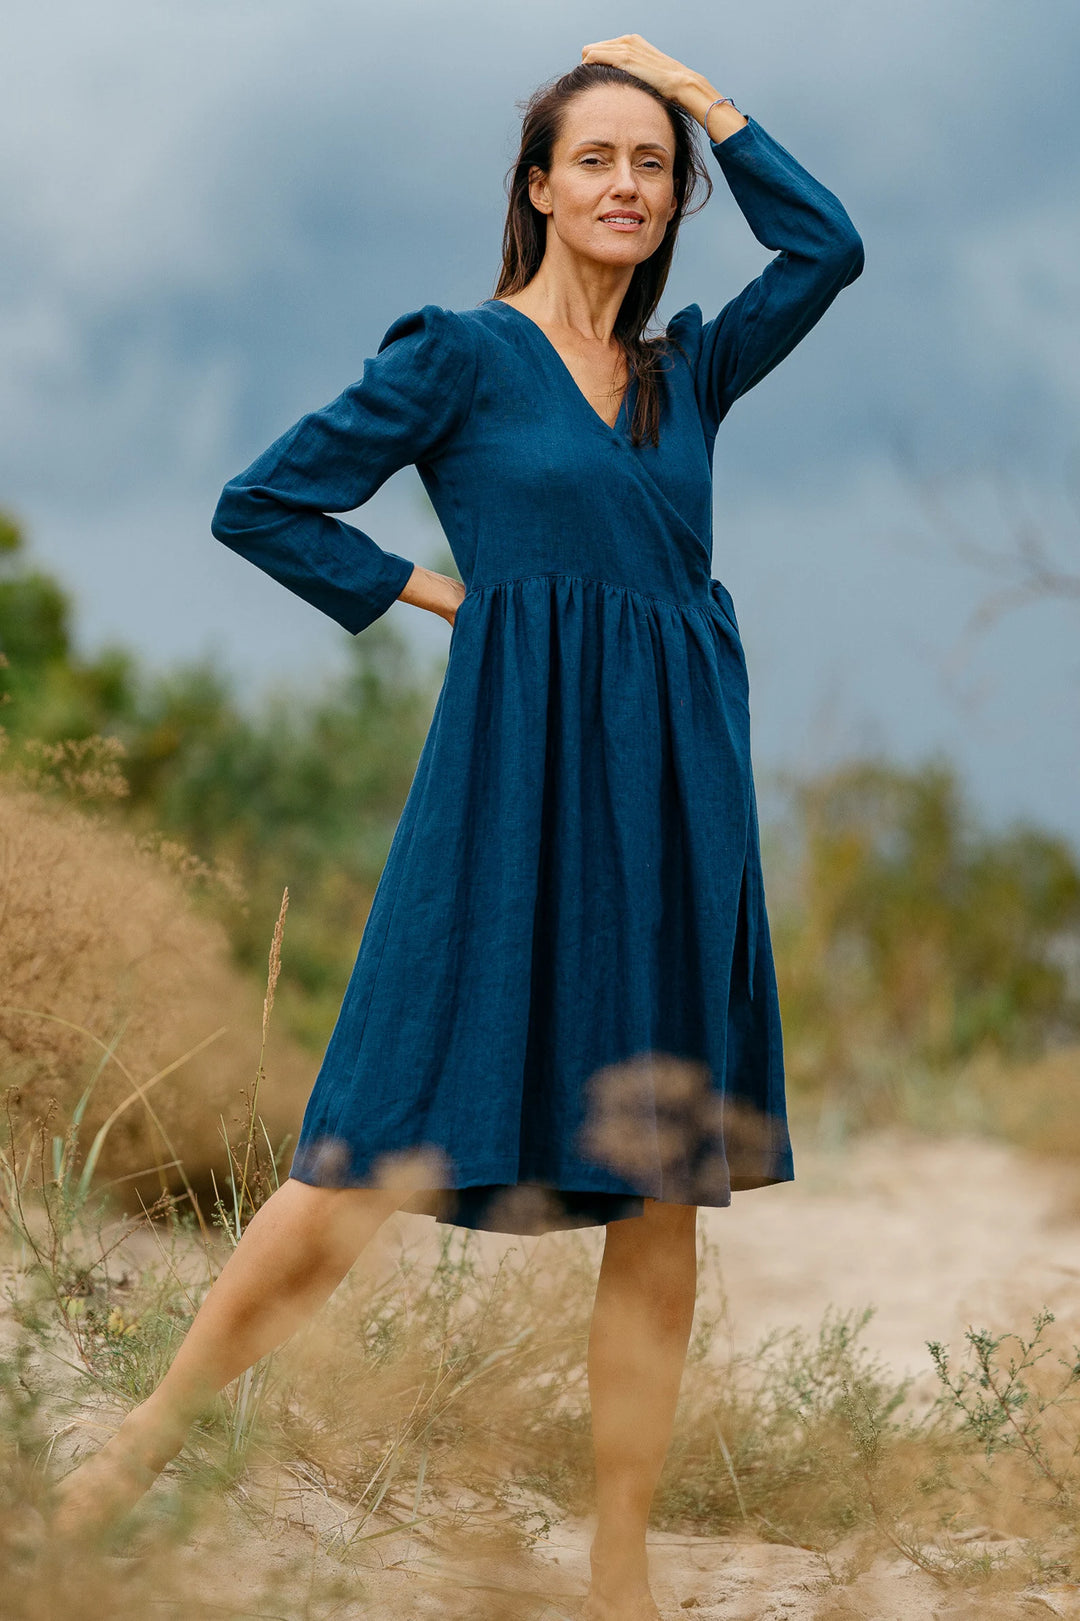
[705,599]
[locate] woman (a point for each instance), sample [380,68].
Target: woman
[564,1008]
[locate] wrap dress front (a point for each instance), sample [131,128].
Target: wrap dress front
[564,999]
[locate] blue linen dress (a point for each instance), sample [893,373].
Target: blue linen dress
[564,998]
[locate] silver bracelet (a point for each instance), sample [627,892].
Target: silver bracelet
[719,100]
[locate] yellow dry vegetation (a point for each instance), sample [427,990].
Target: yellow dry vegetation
[109,968]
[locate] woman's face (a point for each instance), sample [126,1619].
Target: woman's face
[610,192]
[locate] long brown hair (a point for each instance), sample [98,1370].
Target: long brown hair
[525,232]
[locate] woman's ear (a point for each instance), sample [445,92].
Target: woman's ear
[539,195]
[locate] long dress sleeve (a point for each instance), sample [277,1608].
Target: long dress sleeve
[820,252]
[413,395]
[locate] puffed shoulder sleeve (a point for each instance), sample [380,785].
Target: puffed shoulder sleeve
[411,400]
[820,252]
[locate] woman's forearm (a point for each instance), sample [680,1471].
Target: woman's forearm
[696,94]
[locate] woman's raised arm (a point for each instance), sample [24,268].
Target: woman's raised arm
[820,252]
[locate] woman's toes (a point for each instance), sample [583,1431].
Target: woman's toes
[97,1492]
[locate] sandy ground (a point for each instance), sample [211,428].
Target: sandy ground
[934,1235]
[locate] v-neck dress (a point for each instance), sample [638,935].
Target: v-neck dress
[564,999]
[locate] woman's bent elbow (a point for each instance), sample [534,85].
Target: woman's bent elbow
[855,255]
[228,519]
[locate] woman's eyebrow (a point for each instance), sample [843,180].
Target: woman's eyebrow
[642,146]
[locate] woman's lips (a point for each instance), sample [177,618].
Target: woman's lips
[622,223]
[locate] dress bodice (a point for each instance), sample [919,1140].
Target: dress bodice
[525,476]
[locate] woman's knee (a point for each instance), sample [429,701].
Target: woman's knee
[322,1219]
[324,1201]
[666,1233]
[654,1257]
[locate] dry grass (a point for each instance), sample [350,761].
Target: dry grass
[110,976]
[438,1407]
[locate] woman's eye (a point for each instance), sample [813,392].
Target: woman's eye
[649,163]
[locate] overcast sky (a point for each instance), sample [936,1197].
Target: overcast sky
[211,213]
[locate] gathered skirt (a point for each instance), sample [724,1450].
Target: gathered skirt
[564,999]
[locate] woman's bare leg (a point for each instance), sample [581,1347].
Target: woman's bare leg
[291,1257]
[641,1325]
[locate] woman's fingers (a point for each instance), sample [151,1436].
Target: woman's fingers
[637,56]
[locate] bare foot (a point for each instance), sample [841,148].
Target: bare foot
[641,1608]
[108,1485]
[619,1590]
